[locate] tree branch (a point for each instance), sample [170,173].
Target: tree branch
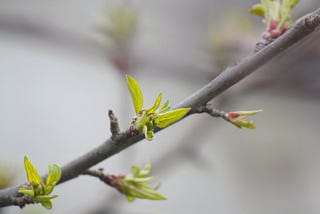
[197,101]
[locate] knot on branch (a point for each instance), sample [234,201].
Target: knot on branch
[22,201]
[312,21]
[261,44]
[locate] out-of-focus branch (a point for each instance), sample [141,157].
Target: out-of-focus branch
[226,79]
[246,66]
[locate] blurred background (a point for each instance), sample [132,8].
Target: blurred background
[63,65]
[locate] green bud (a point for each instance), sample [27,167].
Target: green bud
[140,121]
[148,132]
[239,119]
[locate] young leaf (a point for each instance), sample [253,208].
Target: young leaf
[135,185]
[139,180]
[142,191]
[167,118]
[248,113]
[258,9]
[242,121]
[45,197]
[136,93]
[156,104]
[165,107]
[26,191]
[146,192]
[54,175]
[146,171]
[32,173]
[135,171]
[46,204]
[48,189]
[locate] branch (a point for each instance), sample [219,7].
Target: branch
[196,101]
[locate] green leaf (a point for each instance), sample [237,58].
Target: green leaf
[135,170]
[141,191]
[248,113]
[32,173]
[139,179]
[45,200]
[258,9]
[48,189]
[165,107]
[45,197]
[54,174]
[165,119]
[26,191]
[286,10]
[46,204]
[136,93]
[156,104]
[146,171]
[274,9]
[134,186]
[145,192]
[242,121]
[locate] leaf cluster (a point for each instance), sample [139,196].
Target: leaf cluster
[146,120]
[38,190]
[275,11]
[135,184]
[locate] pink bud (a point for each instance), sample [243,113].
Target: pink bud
[232,115]
[273,25]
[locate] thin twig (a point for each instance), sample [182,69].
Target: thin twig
[226,79]
[211,110]
[99,174]
[109,179]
